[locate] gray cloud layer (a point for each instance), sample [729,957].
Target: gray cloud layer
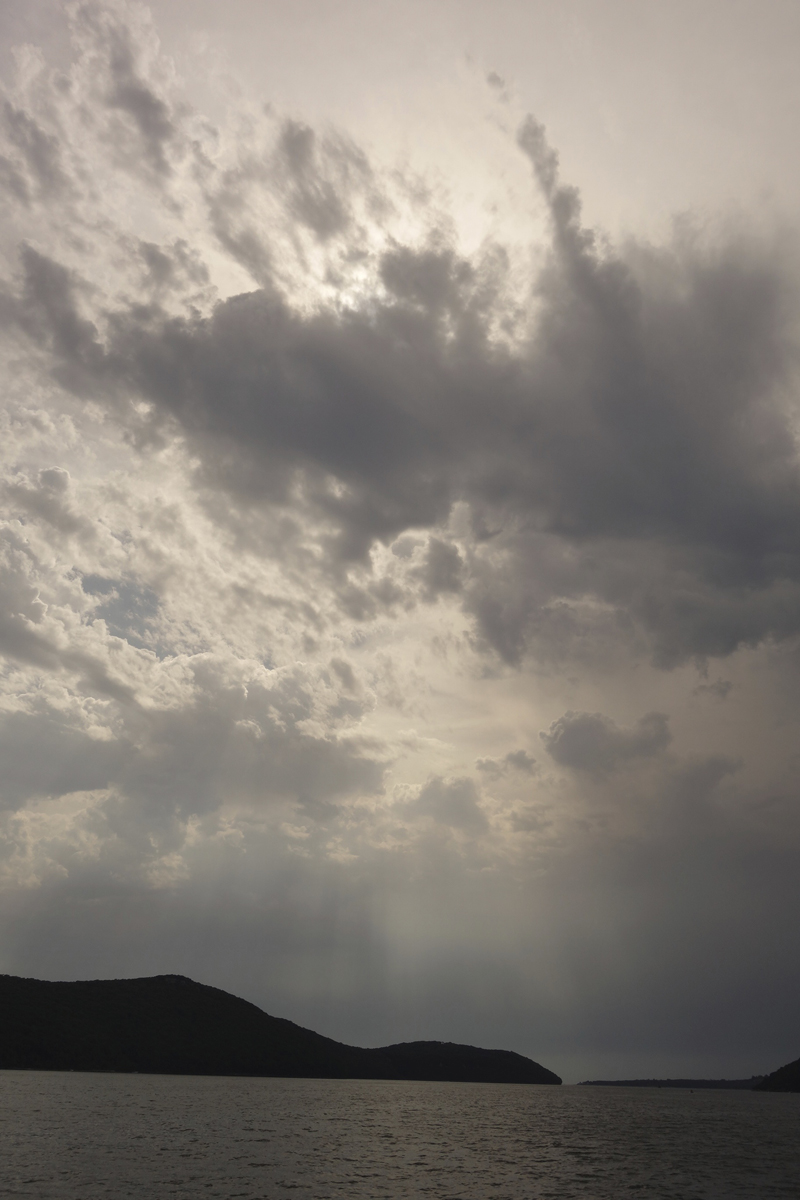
[644,413]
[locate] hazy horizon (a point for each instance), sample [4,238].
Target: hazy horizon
[400,588]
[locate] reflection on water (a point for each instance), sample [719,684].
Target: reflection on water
[82,1136]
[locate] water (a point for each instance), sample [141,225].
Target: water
[70,1136]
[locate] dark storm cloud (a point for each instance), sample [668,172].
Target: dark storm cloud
[593,742]
[670,366]
[642,424]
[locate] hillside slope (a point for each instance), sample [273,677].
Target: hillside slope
[785,1079]
[171,1025]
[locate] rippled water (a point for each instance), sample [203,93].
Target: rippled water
[152,1136]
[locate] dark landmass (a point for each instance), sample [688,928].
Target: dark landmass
[170,1025]
[741,1084]
[785,1079]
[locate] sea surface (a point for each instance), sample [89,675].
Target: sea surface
[80,1136]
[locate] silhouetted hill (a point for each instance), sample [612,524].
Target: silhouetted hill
[736,1084]
[171,1025]
[785,1079]
[464,1064]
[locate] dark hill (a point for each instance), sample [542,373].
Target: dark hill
[785,1079]
[463,1064]
[171,1025]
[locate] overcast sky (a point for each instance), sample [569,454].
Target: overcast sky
[400,586]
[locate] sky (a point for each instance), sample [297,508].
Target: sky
[400,588]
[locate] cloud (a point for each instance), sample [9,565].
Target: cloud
[453,803]
[141,130]
[593,742]
[39,167]
[442,570]
[720,688]
[642,413]
[311,518]
[515,760]
[48,499]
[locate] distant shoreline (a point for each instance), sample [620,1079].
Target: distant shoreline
[720,1084]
